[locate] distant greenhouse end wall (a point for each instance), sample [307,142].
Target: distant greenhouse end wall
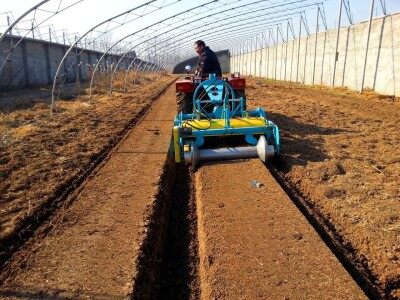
[311,60]
[223,57]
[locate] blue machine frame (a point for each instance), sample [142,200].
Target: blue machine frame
[227,117]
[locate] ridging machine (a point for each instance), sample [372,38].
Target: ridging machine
[216,109]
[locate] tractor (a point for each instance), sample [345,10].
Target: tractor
[215,108]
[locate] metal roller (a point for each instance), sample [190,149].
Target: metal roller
[262,150]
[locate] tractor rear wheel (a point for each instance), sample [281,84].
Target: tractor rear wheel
[241,93]
[184,102]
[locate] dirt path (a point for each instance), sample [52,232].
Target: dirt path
[255,244]
[92,247]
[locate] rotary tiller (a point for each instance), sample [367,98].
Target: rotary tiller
[218,109]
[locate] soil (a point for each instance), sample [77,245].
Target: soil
[43,157]
[85,218]
[94,247]
[341,150]
[255,244]
[179,268]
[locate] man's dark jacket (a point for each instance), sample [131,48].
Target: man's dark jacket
[208,63]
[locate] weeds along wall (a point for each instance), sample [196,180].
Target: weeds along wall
[34,63]
[311,59]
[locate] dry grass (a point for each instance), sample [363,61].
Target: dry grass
[41,155]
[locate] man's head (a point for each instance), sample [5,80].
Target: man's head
[199,46]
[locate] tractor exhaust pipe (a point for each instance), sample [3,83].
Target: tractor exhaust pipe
[262,150]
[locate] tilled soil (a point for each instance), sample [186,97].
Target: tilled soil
[95,247]
[107,239]
[255,244]
[341,150]
[44,158]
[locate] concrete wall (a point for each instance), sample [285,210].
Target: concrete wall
[294,60]
[224,58]
[34,62]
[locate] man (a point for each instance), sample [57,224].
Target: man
[208,64]
[208,61]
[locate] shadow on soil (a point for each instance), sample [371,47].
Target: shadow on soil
[169,259]
[178,278]
[298,148]
[301,144]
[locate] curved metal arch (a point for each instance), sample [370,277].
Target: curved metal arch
[271,27]
[234,35]
[183,49]
[241,6]
[175,41]
[74,45]
[251,35]
[138,31]
[259,24]
[148,3]
[152,38]
[210,15]
[295,13]
[108,50]
[217,13]
[239,35]
[21,17]
[34,8]
[284,17]
[242,28]
[145,68]
[168,31]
